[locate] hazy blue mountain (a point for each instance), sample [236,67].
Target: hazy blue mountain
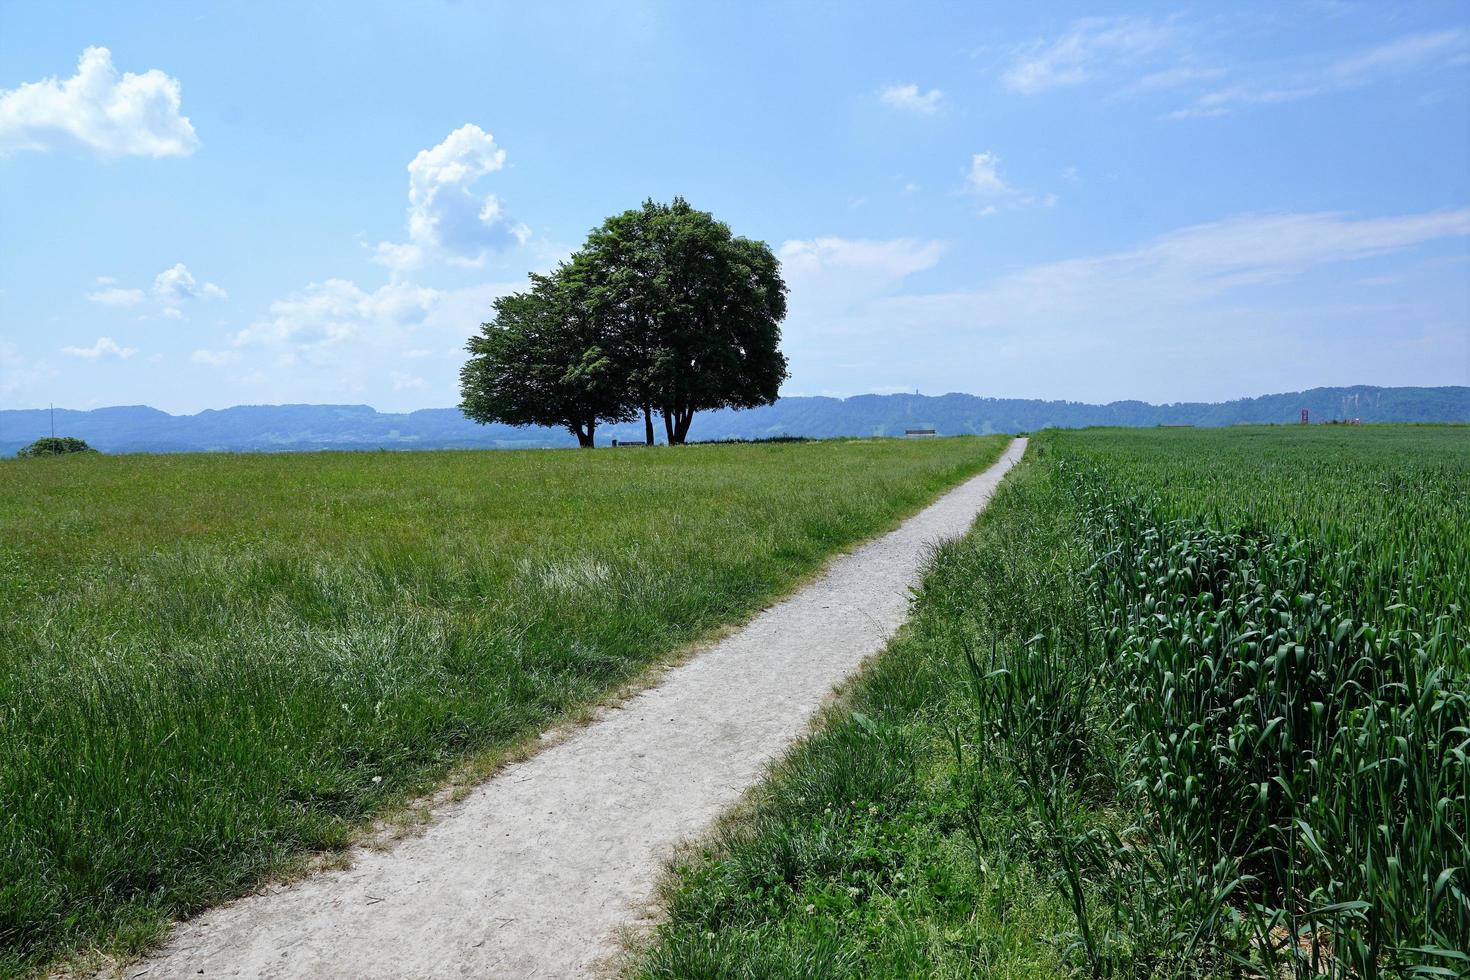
[137,428]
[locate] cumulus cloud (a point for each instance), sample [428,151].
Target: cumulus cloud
[111,115]
[447,216]
[172,289]
[104,347]
[215,358]
[1090,47]
[173,286]
[908,98]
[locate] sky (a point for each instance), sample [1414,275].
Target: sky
[204,205]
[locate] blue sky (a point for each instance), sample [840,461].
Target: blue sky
[204,205]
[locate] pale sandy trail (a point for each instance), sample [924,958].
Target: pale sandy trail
[534,871]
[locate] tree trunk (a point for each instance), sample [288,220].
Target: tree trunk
[669,426]
[648,424]
[584,435]
[681,430]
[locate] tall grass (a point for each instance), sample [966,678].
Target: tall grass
[1278,722]
[1183,704]
[209,664]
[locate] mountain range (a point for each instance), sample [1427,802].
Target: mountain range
[255,428]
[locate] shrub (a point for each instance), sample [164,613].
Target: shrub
[54,446]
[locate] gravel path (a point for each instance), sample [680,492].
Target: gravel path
[533,872]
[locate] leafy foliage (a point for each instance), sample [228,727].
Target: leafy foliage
[53,446]
[548,358]
[663,309]
[699,310]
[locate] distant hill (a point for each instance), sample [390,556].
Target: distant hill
[250,428]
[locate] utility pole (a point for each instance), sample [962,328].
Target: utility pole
[53,420]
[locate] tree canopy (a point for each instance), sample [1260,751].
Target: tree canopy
[663,309]
[547,358]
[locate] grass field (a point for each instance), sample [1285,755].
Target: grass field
[211,664]
[1184,703]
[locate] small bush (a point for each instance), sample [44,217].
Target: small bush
[54,446]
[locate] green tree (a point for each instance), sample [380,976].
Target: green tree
[694,312]
[547,358]
[54,446]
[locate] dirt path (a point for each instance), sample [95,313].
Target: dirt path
[533,872]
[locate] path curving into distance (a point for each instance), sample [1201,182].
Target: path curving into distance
[534,871]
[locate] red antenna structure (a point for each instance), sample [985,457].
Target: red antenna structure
[1304,416]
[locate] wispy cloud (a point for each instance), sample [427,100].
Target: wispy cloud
[983,181]
[908,98]
[1140,57]
[104,347]
[1185,309]
[1088,49]
[19,373]
[835,271]
[1413,52]
[215,358]
[116,296]
[984,177]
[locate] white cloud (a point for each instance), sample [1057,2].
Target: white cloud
[114,296]
[104,347]
[398,255]
[851,267]
[446,215]
[174,286]
[1411,52]
[1187,314]
[215,358]
[336,341]
[1175,77]
[1088,49]
[131,115]
[908,98]
[983,181]
[984,177]
[327,313]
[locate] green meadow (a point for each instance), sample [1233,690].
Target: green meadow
[212,665]
[1184,703]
